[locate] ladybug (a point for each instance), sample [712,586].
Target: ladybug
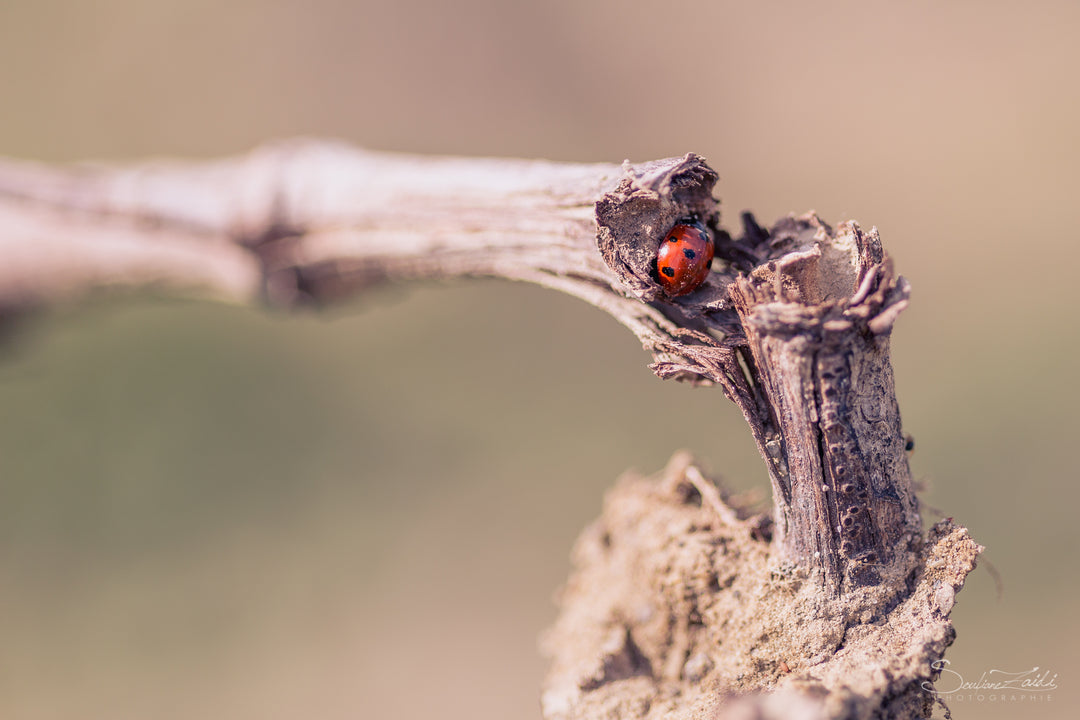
[684,258]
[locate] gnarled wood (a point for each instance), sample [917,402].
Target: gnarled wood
[793,323]
[817,323]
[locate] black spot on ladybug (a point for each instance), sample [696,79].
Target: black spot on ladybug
[672,238]
[668,271]
[690,254]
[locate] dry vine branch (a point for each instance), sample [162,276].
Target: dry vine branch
[793,324]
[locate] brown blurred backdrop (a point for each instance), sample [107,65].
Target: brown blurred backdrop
[208,512]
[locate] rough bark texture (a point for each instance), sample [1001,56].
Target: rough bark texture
[679,602]
[800,342]
[817,323]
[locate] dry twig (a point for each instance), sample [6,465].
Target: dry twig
[793,324]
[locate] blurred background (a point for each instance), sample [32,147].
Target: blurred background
[216,512]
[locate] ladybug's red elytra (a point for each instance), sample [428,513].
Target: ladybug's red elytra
[684,258]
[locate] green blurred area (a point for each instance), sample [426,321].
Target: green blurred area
[208,511]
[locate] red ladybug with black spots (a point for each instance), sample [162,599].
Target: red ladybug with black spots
[684,258]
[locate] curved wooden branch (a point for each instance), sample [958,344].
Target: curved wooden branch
[308,222]
[313,222]
[793,323]
[788,315]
